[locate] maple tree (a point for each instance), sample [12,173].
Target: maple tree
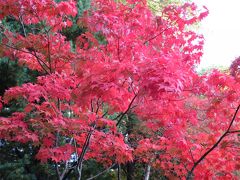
[124,91]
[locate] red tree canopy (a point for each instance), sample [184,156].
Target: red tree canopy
[144,66]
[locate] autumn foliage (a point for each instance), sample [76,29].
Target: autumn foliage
[130,65]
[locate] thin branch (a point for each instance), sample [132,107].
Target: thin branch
[129,107]
[80,159]
[49,53]
[147,172]
[66,164]
[99,174]
[75,147]
[131,85]
[118,49]
[234,131]
[117,116]
[56,145]
[71,141]
[86,143]
[98,106]
[155,36]
[119,172]
[56,164]
[40,61]
[84,150]
[189,176]
[92,109]
[104,114]
[57,171]
[21,22]
[191,155]
[48,42]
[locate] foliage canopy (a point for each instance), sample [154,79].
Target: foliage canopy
[117,85]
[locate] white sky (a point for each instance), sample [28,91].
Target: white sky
[221,30]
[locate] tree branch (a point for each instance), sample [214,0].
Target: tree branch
[99,174]
[21,22]
[234,131]
[84,150]
[40,61]
[189,176]
[147,172]
[191,155]
[129,107]
[49,53]
[119,172]
[162,31]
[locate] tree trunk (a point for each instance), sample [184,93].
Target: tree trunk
[119,172]
[147,172]
[130,171]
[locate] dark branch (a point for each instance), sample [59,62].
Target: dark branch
[189,176]
[40,61]
[234,131]
[162,31]
[129,107]
[192,155]
[99,174]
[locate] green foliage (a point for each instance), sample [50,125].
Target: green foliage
[157,5]
[83,5]
[73,32]
[210,68]
[17,162]
[92,168]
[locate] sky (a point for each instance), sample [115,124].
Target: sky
[221,30]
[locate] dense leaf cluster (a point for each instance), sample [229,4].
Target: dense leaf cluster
[114,88]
